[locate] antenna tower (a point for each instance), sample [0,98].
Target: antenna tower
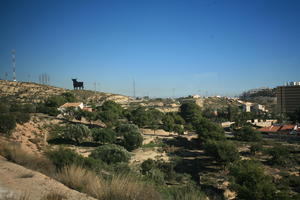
[133,88]
[13,56]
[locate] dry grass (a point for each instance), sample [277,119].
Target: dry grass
[81,179]
[14,153]
[54,196]
[10,196]
[117,188]
[125,187]
[76,177]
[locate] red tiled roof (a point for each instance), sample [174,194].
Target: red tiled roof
[270,129]
[287,127]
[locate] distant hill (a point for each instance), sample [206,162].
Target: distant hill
[264,96]
[260,92]
[25,92]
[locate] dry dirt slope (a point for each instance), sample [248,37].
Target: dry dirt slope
[25,92]
[16,180]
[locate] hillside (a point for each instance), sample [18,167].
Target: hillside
[25,92]
[17,181]
[264,96]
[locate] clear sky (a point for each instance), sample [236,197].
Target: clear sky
[223,47]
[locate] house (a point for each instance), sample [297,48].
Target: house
[246,106]
[270,129]
[76,105]
[281,129]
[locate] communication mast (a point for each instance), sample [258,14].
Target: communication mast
[133,88]
[13,56]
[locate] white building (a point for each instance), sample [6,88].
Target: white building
[76,105]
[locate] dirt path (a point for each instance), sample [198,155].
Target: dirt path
[17,180]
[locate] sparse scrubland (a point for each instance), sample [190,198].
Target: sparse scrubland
[205,163]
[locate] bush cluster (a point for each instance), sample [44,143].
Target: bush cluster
[10,114]
[250,182]
[110,154]
[248,134]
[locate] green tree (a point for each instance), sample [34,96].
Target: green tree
[21,117]
[248,134]
[256,147]
[77,133]
[110,154]
[4,108]
[69,97]
[279,155]
[55,101]
[147,165]
[90,116]
[224,152]
[104,136]
[154,118]
[140,117]
[132,138]
[295,116]
[113,107]
[208,130]
[178,129]
[250,182]
[190,112]
[168,122]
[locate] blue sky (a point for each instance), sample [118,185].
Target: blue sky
[214,47]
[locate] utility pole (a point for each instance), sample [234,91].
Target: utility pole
[95,87]
[13,55]
[133,88]
[99,87]
[173,93]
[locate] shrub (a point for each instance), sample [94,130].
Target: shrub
[132,138]
[250,182]
[248,134]
[156,175]
[4,108]
[110,112]
[63,157]
[147,165]
[77,133]
[21,118]
[110,153]
[223,151]
[255,147]
[178,129]
[104,136]
[7,123]
[279,155]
